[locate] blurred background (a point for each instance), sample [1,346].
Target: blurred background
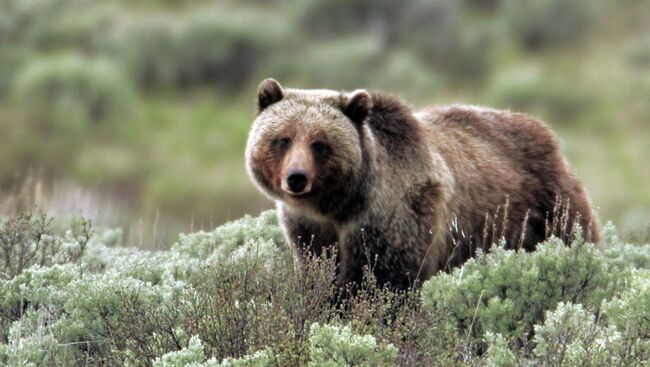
[135,112]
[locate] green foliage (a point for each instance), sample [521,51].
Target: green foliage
[118,307]
[21,20]
[194,65]
[333,346]
[499,353]
[630,315]
[350,17]
[194,356]
[570,336]
[432,29]
[220,46]
[148,50]
[507,292]
[638,53]
[621,254]
[316,67]
[234,297]
[69,94]
[429,30]
[28,240]
[227,46]
[405,71]
[234,239]
[11,59]
[531,91]
[80,26]
[542,23]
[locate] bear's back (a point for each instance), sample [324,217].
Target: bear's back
[523,143]
[496,154]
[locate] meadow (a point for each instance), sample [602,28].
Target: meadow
[123,124]
[136,113]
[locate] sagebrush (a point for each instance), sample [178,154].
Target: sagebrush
[235,297]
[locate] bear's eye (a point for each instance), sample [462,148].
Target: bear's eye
[320,148]
[283,143]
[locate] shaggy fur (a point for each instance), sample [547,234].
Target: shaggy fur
[413,193]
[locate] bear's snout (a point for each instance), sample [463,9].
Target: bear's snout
[297,182]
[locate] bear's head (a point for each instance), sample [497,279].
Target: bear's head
[306,145]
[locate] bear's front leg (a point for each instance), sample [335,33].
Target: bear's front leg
[394,261]
[306,235]
[362,246]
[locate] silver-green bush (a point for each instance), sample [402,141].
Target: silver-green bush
[507,292]
[234,297]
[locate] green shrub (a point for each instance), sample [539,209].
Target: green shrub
[148,49]
[507,292]
[41,346]
[624,255]
[226,47]
[630,315]
[499,353]
[638,53]
[223,47]
[484,5]
[542,23]
[531,91]
[54,24]
[570,336]
[68,94]
[355,57]
[28,240]
[333,346]
[405,72]
[82,27]
[11,59]
[140,305]
[474,55]
[234,297]
[328,19]
[235,238]
[193,355]
[429,29]
[20,19]
[432,29]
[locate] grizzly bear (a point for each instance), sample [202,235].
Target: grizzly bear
[409,193]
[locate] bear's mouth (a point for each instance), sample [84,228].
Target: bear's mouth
[302,195]
[296,194]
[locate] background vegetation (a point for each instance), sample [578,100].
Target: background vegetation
[136,112]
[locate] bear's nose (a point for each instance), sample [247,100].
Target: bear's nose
[297,180]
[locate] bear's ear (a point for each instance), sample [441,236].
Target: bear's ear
[268,93]
[357,106]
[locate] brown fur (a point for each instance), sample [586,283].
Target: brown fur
[412,193]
